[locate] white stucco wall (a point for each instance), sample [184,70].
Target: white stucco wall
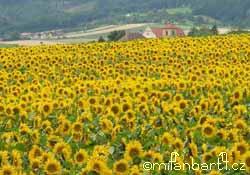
[148,33]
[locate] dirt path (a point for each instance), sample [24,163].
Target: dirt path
[29,42]
[104,30]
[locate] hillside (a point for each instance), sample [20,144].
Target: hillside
[38,15]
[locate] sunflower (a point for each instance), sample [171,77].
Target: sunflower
[16,109]
[217,150]
[106,125]
[237,94]
[2,108]
[35,164]
[197,172]
[167,138]
[133,149]
[126,107]
[77,136]
[240,109]
[166,96]
[157,157]
[81,156]
[23,115]
[183,104]
[46,156]
[52,167]
[233,156]
[101,151]
[207,157]
[204,105]
[35,152]
[181,85]
[232,135]
[130,115]
[62,149]
[222,134]
[24,129]
[4,158]
[194,149]
[246,160]
[46,108]
[115,130]
[240,124]
[178,97]
[149,155]
[108,101]
[178,144]
[142,98]
[17,159]
[7,170]
[8,110]
[208,130]
[53,140]
[44,124]
[214,172]
[242,147]
[85,117]
[84,171]
[81,103]
[135,170]
[156,122]
[197,110]
[92,101]
[115,109]
[65,127]
[96,165]
[121,167]
[77,127]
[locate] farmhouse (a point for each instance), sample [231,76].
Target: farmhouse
[132,36]
[169,30]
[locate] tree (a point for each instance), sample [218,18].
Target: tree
[203,31]
[193,32]
[10,36]
[101,39]
[214,30]
[116,35]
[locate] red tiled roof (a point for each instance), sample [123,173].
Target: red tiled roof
[158,32]
[170,26]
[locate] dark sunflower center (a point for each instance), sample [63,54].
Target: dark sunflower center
[134,152]
[52,168]
[121,167]
[208,130]
[80,157]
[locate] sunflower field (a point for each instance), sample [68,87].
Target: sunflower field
[105,108]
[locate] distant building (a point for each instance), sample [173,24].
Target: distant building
[43,35]
[148,33]
[132,36]
[169,30]
[25,35]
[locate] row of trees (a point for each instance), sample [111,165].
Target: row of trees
[113,36]
[203,31]
[10,36]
